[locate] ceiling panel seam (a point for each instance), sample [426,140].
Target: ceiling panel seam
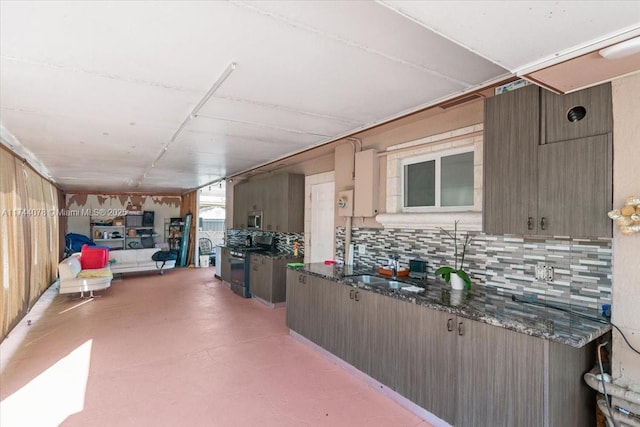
[109,76]
[263,125]
[287,109]
[353,44]
[441,34]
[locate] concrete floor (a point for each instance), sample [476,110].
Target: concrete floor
[176,350]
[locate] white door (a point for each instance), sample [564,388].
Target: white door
[322,237]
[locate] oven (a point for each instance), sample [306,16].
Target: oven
[239,269]
[240,266]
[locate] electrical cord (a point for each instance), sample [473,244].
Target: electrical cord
[584,316]
[625,338]
[604,387]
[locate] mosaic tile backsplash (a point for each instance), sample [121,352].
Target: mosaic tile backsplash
[237,238]
[582,267]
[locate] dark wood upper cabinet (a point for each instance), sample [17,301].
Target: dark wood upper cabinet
[548,163]
[575,187]
[511,135]
[279,197]
[576,115]
[284,206]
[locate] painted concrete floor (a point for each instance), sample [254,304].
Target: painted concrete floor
[176,350]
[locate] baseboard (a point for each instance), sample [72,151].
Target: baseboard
[270,304]
[16,336]
[373,383]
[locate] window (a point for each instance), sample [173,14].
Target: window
[438,182]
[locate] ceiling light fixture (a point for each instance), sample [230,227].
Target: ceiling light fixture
[227,71]
[215,87]
[622,49]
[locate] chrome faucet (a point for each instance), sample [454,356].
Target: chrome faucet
[394,267]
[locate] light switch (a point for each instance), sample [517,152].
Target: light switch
[362,249]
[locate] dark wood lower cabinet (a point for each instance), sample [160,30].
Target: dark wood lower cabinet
[268,278]
[465,372]
[499,376]
[427,369]
[225,268]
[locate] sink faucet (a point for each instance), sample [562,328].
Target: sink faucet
[394,267]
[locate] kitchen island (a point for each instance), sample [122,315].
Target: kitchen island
[475,358]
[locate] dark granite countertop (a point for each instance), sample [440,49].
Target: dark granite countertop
[279,255]
[571,325]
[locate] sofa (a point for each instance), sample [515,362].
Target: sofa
[74,279]
[135,260]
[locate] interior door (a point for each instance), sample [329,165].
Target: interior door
[322,237]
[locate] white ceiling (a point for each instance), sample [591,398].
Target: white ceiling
[92,92]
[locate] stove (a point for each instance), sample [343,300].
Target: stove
[239,258]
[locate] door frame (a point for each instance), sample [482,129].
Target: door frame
[309,182]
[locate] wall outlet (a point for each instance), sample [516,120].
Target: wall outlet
[362,249]
[544,273]
[288,240]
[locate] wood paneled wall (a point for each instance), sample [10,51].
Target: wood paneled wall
[30,246]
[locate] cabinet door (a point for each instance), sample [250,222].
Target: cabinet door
[256,277]
[274,186]
[295,205]
[277,279]
[500,377]
[575,188]
[255,196]
[598,118]
[284,204]
[240,200]
[359,327]
[511,136]
[426,367]
[384,324]
[225,268]
[298,300]
[332,303]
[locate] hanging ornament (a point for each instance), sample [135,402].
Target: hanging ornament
[628,217]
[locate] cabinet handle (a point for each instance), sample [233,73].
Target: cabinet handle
[450,325]
[351,294]
[460,329]
[530,223]
[357,297]
[543,223]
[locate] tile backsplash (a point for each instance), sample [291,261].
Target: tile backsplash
[582,267]
[237,238]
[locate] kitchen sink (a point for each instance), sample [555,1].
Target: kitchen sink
[380,282]
[368,279]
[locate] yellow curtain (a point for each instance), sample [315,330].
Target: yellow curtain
[190,205]
[29,238]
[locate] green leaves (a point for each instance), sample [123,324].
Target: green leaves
[465,278]
[447,271]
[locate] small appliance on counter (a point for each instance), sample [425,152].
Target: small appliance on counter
[417,269]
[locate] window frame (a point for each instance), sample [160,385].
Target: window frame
[437,156]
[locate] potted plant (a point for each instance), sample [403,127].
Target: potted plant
[456,275]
